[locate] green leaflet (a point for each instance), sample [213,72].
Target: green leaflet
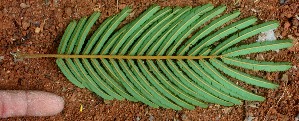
[112,40]
[68,73]
[65,38]
[187,98]
[137,33]
[134,26]
[72,67]
[175,21]
[112,26]
[140,84]
[207,70]
[100,81]
[75,35]
[188,20]
[95,87]
[183,84]
[257,47]
[197,23]
[160,58]
[90,84]
[150,87]
[197,88]
[249,32]
[93,18]
[130,87]
[242,76]
[153,80]
[207,29]
[205,51]
[222,33]
[151,30]
[207,84]
[97,35]
[112,82]
[257,65]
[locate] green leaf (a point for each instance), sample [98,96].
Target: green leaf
[65,70]
[197,23]
[130,87]
[209,28]
[242,76]
[206,70]
[221,34]
[88,81]
[108,30]
[187,98]
[148,36]
[244,34]
[257,65]
[112,82]
[139,31]
[141,85]
[92,19]
[75,35]
[257,47]
[185,28]
[97,35]
[96,78]
[134,26]
[160,58]
[65,38]
[184,84]
[175,21]
[209,84]
[151,88]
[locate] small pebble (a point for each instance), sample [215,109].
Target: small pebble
[249,118]
[254,10]
[295,22]
[107,101]
[297,117]
[37,30]
[284,33]
[25,25]
[184,117]
[285,78]
[68,11]
[289,15]
[227,110]
[260,57]
[151,118]
[253,104]
[266,36]
[1,58]
[24,5]
[121,6]
[283,1]
[287,25]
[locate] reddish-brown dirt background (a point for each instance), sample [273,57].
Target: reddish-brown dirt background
[18,23]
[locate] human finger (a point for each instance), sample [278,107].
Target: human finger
[29,103]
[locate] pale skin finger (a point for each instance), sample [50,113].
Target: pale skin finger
[29,103]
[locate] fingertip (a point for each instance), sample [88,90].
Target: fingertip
[29,103]
[43,103]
